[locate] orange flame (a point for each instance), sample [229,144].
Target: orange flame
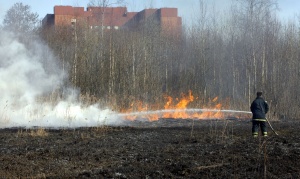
[176,109]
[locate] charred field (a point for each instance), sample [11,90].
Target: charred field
[167,148]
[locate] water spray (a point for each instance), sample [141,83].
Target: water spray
[189,112]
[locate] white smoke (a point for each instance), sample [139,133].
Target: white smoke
[26,73]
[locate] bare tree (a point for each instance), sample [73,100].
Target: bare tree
[20,19]
[254,19]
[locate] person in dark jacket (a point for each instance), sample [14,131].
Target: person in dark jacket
[259,108]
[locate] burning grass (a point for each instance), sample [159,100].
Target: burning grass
[180,108]
[87,112]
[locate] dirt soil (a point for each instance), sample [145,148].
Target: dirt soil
[167,148]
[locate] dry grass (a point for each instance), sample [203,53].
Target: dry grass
[212,166]
[39,132]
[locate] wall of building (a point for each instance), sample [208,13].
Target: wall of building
[113,17]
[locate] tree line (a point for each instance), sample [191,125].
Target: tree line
[229,56]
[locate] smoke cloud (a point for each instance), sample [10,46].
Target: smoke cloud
[31,71]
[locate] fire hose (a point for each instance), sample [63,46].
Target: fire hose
[271,127]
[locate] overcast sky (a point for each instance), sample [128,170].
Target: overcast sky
[186,8]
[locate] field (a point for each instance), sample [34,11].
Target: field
[166,148]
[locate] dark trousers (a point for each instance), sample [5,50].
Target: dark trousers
[256,125]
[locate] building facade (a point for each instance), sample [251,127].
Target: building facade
[114,18]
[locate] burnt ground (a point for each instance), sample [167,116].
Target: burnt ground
[166,148]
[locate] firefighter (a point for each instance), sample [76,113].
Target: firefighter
[259,108]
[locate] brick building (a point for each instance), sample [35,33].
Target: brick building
[113,18]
